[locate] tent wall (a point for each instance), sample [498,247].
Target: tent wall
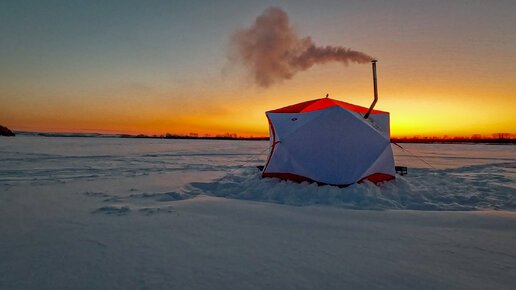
[332,146]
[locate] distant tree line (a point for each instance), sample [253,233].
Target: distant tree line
[497,138]
[226,136]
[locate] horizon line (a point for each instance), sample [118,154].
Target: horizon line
[232,135]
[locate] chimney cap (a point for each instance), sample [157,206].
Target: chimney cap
[374,60]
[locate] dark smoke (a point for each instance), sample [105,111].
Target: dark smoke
[273,52]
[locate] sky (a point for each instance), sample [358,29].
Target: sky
[152,67]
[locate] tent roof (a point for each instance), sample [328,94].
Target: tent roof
[323,103]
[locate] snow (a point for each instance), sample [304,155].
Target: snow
[115,213]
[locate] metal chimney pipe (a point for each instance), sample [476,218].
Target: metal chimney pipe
[375,90]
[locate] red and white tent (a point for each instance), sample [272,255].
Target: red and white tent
[329,142]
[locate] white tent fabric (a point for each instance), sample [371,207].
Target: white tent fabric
[332,145]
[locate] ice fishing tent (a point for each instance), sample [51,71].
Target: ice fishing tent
[329,142]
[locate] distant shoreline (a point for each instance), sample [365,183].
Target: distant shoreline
[455,140]
[141,136]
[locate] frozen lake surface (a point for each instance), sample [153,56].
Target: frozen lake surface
[464,177]
[151,213]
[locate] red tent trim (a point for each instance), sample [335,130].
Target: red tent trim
[323,103]
[377,178]
[374,178]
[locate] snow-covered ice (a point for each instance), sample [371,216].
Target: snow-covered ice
[114,213]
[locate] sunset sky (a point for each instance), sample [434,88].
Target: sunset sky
[445,67]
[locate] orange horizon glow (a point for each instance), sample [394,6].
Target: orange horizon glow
[408,119]
[412,114]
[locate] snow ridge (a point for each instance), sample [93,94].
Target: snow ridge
[475,187]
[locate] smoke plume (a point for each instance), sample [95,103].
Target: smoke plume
[273,52]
